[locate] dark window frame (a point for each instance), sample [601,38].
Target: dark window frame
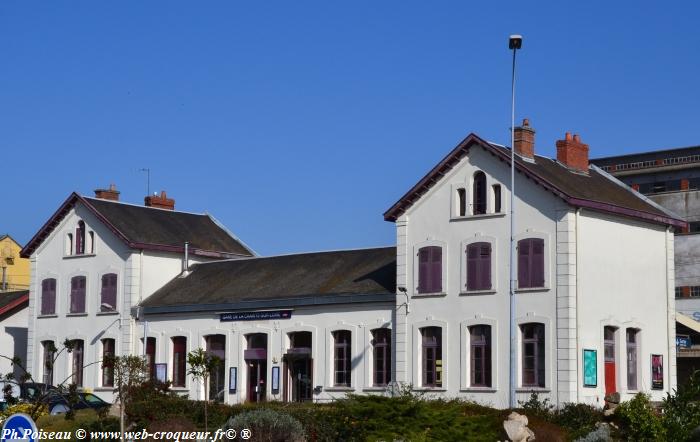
[480,352]
[80,238]
[534,351]
[497,198]
[431,355]
[108,350]
[479,205]
[77,361]
[461,201]
[381,352]
[632,346]
[342,358]
[49,349]
[179,361]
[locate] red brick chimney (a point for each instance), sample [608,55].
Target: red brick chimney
[108,194]
[573,153]
[524,140]
[160,201]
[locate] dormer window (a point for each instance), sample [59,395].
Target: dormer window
[479,189]
[80,242]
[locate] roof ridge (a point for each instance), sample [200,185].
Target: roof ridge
[141,206]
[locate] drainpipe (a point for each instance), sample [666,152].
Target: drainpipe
[187,258]
[578,304]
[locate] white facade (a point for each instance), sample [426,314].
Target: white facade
[139,273]
[599,271]
[13,339]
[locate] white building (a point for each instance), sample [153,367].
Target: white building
[95,259]
[594,275]
[13,330]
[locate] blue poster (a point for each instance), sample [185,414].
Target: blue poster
[590,368]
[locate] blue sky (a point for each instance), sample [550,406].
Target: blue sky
[297,124]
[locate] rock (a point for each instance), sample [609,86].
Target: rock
[516,428]
[613,398]
[514,416]
[609,412]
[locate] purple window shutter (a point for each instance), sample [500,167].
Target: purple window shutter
[436,269]
[485,266]
[109,291]
[472,267]
[44,296]
[52,297]
[524,263]
[77,295]
[537,262]
[423,268]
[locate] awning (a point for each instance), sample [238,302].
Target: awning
[688,322]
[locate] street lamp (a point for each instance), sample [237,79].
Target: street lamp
[515,42]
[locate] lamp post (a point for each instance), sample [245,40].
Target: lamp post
[515,42]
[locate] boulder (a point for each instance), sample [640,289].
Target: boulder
[516,428]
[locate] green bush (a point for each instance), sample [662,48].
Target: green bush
[681,411]
[536,407]
[268,425]
[578,419]
[639,420]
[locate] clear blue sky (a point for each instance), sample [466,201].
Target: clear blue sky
[297,124]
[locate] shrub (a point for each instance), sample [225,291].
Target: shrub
[536,407]
[639,420]
[26,408]
[578,419]
[268,425]
[681,411]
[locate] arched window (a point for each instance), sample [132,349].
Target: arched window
[77,294]
[479,266]
[179,361]
[480,351]
[108,294]
[430,269]
[49,353]
[533,354]
[77,361]
[48,296]
[531,263]
[479,191]
[461,202]
[381,350]
[107,363]
[80,238]
[341,358]
[69,244]
[432,356]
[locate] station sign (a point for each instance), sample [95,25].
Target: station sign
[255,316]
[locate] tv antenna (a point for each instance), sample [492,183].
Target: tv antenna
[148,179]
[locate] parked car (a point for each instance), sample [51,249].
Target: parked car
[58,403]
[31,391]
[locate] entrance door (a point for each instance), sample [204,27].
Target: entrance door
[300,376]
[256,361]
[299,368]
[610,368]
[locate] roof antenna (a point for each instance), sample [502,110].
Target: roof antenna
[148,179]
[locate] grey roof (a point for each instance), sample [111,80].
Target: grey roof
[9,300]
[148,225]
[301,279]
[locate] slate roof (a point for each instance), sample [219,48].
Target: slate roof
[596,190]
[10,300]
[303,279]
[151,228]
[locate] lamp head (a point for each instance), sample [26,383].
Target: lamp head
[515,41]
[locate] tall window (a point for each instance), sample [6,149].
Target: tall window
[69,244]
[179,361]
[497,198]
[531,263]
[107,363]
[341,358]
[479,200]
[462,202]
[479,266]
[432,356]
[80,238]
[632,349]
[430,269]
[609,344]
[77,362]
[151,357]
[48,296]
[216,346]
[533,354]
[108,295]
[49,353]
[480,340]
[381,350]
[91,237]
[77,294]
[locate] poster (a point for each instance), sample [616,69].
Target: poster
[590,368]
[275,380]
[161,372]
[657,372]
[232,379]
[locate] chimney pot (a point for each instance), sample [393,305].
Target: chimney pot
[573,153]
[110,193]
[524,140]
[160,201]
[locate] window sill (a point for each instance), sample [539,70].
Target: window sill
[429,295]
[370,389]
[109,313]
[338,389]
[533,390]
[47,316]
[478,390]
[431,389]
[480,216]
[76,314]
[108,389]
[532,289]
[477,292]
[84,255]
[180,389]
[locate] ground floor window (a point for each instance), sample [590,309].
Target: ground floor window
[533,355]
[49,353]
[179,361]
[480,351]
[107,362]
[77,348]
[632,350]
[381,350]
[432,356]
